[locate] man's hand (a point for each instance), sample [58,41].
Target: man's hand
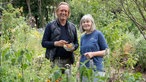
[60,43]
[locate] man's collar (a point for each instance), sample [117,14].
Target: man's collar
[58,22]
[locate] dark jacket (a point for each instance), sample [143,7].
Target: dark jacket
[52,33]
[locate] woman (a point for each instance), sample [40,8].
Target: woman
[93,45]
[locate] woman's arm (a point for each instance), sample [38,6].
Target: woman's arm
[97,53]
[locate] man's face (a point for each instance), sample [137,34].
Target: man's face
[63,12]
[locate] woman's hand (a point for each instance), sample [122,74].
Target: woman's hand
[89,55]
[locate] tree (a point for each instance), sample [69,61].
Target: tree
[41,10]
[138,16]
[28,5]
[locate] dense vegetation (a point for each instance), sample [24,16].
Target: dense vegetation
[22,56]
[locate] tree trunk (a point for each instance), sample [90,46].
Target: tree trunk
[40,14]
[29,9]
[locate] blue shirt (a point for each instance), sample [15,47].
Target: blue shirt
[93,42]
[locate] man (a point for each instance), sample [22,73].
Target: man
[57,34]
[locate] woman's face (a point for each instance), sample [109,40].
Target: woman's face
[86,25]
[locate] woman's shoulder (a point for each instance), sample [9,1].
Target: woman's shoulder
[82,35]
[98,32]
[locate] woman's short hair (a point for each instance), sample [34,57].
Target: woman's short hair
[63,3]
[84,18]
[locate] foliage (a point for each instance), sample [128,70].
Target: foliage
[136,77]
[141,52]
[22,57]
[90,74]
[18,50]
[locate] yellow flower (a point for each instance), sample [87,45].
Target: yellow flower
[19,75]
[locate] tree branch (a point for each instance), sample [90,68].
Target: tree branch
[127,12]
[144,5]
[133,18]
[140,11]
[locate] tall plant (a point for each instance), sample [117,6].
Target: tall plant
[17,51]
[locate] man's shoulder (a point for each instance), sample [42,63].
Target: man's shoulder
[51,22]
[70,23]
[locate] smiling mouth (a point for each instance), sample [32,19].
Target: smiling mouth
[87,26]
[63,15]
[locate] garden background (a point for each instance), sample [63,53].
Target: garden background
[22,23]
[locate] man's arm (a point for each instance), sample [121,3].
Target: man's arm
[46,42]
